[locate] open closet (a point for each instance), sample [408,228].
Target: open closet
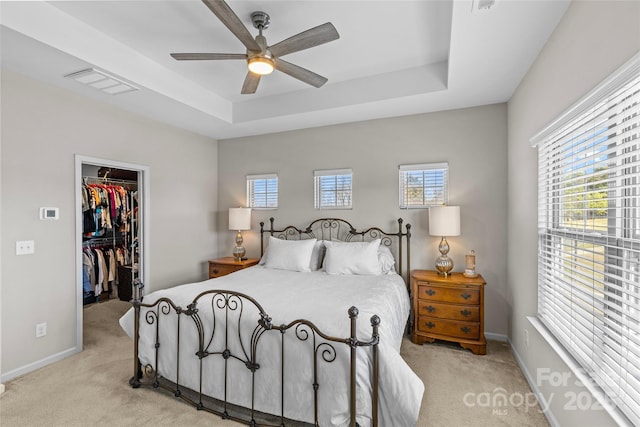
[110,233]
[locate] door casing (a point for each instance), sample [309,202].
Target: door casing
[143,231]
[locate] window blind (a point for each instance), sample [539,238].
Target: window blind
[589,237]
[262,191]
[333,189]
[423,185]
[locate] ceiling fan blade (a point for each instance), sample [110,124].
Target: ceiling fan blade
[300,73]
[313,37]
[207,56]
[250,84]
[226,15]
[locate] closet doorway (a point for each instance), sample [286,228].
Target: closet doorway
[112,217]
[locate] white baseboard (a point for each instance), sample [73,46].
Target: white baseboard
[8,376]
[496,337]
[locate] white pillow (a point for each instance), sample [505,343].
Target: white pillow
[352,257]
[317,255]
[294,255]
[386,260]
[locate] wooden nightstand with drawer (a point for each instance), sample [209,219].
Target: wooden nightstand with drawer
[448,308]
[223,266]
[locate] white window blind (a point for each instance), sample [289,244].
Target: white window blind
[423,185]
[333,189]
[589,236]
[262,191]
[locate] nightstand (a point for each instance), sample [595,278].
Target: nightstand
[223,266]
[448,308]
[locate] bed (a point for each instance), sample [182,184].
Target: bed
[310,336]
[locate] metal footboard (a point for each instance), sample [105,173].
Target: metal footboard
[220,319]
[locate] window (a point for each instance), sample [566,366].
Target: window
[589,237]
[423,185]
[333,189]
[262,191]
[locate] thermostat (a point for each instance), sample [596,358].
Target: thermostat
[49,213]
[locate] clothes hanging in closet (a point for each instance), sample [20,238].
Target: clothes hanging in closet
[99,269]
[107,207]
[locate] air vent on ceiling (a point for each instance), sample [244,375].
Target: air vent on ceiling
[102,81]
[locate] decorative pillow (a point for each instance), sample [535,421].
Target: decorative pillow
[294,255]
[386,260]
[352,257]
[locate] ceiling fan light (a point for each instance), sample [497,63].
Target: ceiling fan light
[261,65]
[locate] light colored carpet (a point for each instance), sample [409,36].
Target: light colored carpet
[91,388]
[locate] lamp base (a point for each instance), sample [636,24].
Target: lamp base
[239,251]
[444,264]
[238,254]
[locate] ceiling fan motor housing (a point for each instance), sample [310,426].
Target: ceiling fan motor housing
[260,20]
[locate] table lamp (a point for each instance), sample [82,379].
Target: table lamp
[444,221]
[239,220]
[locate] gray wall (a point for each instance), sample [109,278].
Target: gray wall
[591,41]
[473,141]
[43,127]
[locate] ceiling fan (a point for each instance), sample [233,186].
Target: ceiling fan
[261,58]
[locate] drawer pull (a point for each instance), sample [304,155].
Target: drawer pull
[430,325]
[465,295]
[465,329]
[215,271]
[465,313]
[430,292]
[431,309]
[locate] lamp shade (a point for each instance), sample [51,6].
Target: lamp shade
[444,221]
[239,219]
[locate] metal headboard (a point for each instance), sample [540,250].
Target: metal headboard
[342,230]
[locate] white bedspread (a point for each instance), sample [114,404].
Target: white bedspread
[286,296]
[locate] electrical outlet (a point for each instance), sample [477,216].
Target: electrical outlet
[41,330]
[526,337]
[25,247]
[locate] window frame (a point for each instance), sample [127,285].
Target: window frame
[250,187]
[320,177]
[424,168]
[598,314]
